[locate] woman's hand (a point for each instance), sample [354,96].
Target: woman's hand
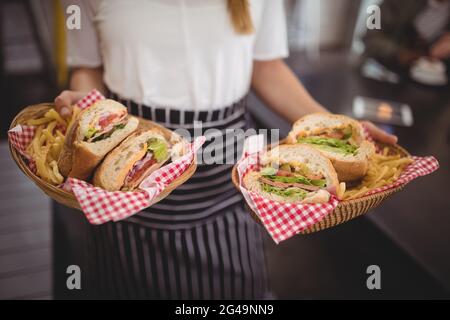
[65,101]
[378,134]
[82,81]
[441,49]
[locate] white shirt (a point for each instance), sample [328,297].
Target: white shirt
[182,54]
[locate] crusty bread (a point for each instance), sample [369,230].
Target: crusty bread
[111,174]
[65,157]
[78,158]
[314,122]
[87,155]
[314,161]
[348,167]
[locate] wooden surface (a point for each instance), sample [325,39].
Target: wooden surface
[25,235]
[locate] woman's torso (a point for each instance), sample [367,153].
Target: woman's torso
[182,54]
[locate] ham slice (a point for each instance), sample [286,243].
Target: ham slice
[279,184]
[109,118]
[139,169]
[311,176]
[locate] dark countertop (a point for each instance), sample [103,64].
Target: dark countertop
[418,218]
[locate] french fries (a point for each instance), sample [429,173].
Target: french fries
[47,144]
[383,169]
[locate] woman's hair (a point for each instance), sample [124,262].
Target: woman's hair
[241,19]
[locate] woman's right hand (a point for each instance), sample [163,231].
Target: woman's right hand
[65,101]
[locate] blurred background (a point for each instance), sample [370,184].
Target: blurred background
[380,76]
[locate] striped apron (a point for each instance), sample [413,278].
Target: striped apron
[198,243]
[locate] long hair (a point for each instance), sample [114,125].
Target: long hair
[241,19]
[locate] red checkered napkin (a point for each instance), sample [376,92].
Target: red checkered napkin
[101,206]
[20,137]
[89,100]
[284,220]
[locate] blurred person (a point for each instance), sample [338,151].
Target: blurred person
[174,62]
[410,30]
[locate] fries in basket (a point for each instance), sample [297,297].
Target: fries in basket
[383,169]
[47,144]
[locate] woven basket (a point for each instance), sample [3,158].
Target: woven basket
[345,210]
[68,198]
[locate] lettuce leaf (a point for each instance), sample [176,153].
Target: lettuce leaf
[292,193]
[158,148]
[90,133]
[298,179]
[268,171]
[335,145]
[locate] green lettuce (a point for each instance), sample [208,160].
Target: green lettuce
[299,179]
[92,132]
[292,193]
[270,173]
[158,148]
[335,145]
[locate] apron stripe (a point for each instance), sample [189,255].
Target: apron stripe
[198,243]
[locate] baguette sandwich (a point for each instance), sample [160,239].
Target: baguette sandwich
[339,138]
[94,133]
[132,161]
[295,174]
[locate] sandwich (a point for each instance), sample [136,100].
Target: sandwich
[339,138]
[93,134]
[294,174]
[132,161]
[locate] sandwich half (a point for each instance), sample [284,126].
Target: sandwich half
[338,137]
[295,174]
[132,161]
[96,131]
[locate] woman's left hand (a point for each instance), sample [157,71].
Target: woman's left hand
[378,134]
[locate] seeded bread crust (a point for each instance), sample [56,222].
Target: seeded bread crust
[348,167]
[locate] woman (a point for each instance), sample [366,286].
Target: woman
[175,62]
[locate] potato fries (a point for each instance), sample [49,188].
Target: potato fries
[383,169]
[47,144]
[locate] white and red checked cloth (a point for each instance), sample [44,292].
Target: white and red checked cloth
[102,206]
[284,220]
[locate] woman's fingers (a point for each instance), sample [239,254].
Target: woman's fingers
[66,100]
[378,134]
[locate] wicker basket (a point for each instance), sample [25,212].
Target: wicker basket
[346,210]
[68,198]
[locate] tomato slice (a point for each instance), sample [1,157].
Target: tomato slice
[283,173]
[105,120]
